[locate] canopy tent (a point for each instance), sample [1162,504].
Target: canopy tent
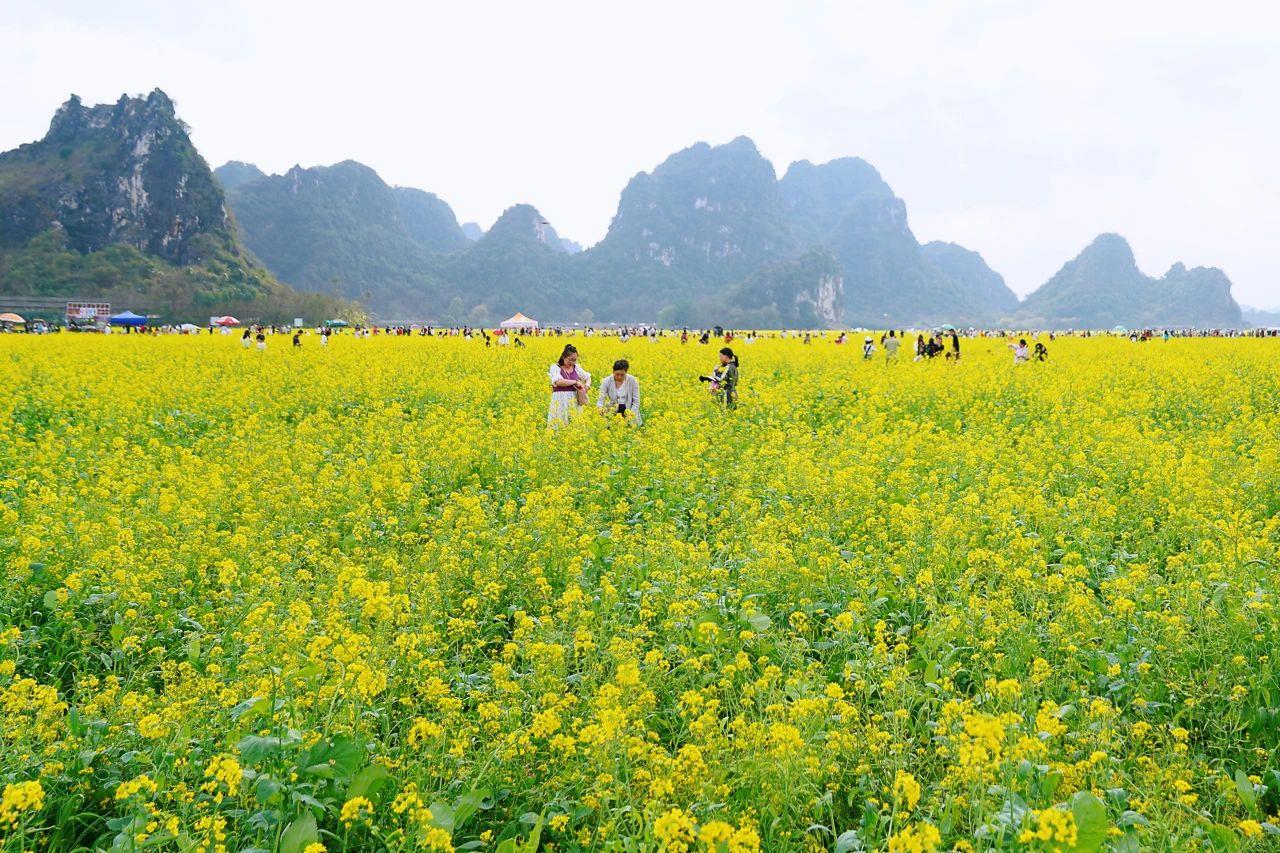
[11,318]
[336,323]
[1120,330]
[228,321]
[518,321]
[189,327]
[127,318]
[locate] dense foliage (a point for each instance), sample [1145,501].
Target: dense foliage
[357,596]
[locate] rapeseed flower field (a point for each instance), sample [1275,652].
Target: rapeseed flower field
[359,597]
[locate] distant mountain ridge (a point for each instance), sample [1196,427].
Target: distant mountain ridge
[1102,287]
[115,199]
[689,239]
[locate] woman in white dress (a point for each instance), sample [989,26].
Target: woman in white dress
[620,393]
[569,386]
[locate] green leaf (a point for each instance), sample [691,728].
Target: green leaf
[75,723]
[848,842]
[1224,839]
[301,832]
[51,601]
[255,749]
[759,622]
[1091,822]
[1245,788]
[442,816]
[367,780]
[467,805]
[250,708]
[535,838]
[337,759]
[265,789]
[1125,844]
[1050,783]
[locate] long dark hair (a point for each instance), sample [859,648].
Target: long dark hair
[729,352]
[568,348]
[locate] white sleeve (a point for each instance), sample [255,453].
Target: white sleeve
[553,374]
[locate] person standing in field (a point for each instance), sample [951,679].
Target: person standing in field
[724,379]
[569,384]
[868,348]
[891,344]
[919,347]
[620,393]
[955,345]
[1019,351]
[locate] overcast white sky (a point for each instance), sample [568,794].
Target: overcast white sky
[1019,129]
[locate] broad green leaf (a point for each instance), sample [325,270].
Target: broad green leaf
[1245,788]
[1091,822]
[301,832]
[367,780]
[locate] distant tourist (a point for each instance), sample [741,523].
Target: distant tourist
[262,340]
[1020,352]
[891,344]
[569,384]
[297,338]
[868,348]
[620,393]
[919,347]
[246,339]
[955,345]
[1041,352]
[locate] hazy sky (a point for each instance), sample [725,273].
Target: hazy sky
[1018,129]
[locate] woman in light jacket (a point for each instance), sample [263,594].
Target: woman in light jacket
[620,393]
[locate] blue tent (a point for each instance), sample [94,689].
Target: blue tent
[127,318]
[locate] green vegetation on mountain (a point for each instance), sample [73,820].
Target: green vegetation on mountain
[115,203]
[804,292]
[983,286]
[429,221]
[847,208]
[707,217]
[1103,287]
[236,173]
[341,230]
[516,266]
